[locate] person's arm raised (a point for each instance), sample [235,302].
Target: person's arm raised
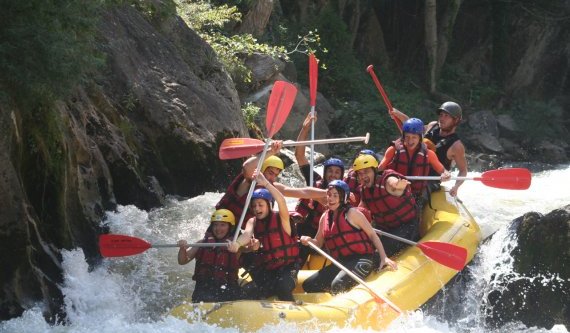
[251,163]
[300,150]
[279,199]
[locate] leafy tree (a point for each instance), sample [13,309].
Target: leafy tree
[46,47]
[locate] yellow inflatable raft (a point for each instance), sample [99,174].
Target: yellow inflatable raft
[417,279]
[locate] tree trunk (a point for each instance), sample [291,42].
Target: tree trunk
[431,41]
[445,33]
[354,23]
[257,17]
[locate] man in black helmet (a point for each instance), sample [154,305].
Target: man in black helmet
[441,135]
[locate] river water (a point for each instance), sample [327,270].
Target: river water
[133,294]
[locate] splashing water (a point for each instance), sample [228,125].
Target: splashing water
[134,294]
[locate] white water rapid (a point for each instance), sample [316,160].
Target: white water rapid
[133,294]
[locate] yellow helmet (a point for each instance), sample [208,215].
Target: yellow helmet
[364,161]
[223,215]
[272,161]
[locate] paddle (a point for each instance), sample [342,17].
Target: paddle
[313,75]
[242,147]
[370,70]
[355,277]
[278,108]
[111,245]
[509,179]
[447,254]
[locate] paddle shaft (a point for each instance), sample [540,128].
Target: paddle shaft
[312,156]
[327,141]
[439,178]
[370,70]
[190,245]
[250,192]
[407,241]
[354,276]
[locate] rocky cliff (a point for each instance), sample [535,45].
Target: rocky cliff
[150,123]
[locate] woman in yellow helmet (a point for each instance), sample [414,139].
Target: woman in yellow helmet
[216,272]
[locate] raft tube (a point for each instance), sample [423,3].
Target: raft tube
[417,279]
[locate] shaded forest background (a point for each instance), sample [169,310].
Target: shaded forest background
[504,56]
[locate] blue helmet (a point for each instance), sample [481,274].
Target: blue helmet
[342,186]
[367,152]
[414,126]
[262,193]
[334,162]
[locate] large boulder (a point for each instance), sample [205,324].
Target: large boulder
[540,275]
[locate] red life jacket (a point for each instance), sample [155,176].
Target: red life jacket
[352,182]
[417,165]
[216,263]
[279,248]
[389,211]
[310,209]
[233,202]
[342,239]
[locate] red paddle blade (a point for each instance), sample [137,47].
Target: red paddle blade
[511,179]
[450,255]
[239,147]
[279,105]
[313,76]
[121,246]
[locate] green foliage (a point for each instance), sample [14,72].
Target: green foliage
[250,112]
[154,11]
[345,77]
[370,117]
[476,93]
[232,49]
[539,119]
[46,47]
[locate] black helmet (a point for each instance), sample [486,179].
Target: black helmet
[452,108]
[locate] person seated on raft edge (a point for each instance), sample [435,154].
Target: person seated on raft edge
[388,197]
[350,239]
[409,156]
[310,209]
[216,271]
[441,136]
[236,194]
[276,272]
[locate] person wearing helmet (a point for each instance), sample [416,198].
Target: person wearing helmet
[350,239]
[236,193]
[389,199]
[448,146]
[410,156]
[275,271]
[352,180]
[216,271]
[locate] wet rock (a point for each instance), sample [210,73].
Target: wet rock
[540,276]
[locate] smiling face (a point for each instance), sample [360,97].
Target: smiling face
[260,208]
[220,229]
[333,198]
[333,173]
[271,174]
[366,177]
[411,141]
